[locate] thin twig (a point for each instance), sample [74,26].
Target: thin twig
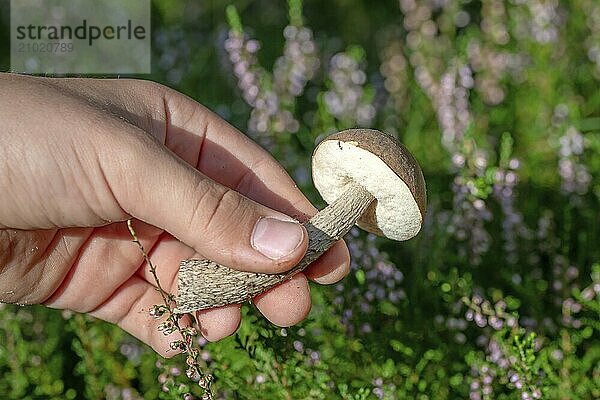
[150,264]
[194,372]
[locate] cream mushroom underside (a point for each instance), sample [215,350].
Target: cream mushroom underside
[338,163]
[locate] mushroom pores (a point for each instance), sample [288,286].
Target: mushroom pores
[383,166]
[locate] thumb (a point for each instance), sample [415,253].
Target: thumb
[150,183]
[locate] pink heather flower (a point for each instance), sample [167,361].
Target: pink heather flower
[448,84]
[272,104]
[345,98]
[298,346]
[513,227]
[544,21]
[298,64]
[575,177]
[382,281]
[592,42]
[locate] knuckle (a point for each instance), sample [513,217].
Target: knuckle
[146,86]
[225,213]
[219,210]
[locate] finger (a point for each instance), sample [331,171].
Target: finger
[220,147]
[166,254]
[197,136]
[250,170]
[129,308]
[329,269]
[104,261]
[215,220]
[286,304]
[218,323]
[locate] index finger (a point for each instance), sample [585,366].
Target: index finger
[219,147]
[251,171]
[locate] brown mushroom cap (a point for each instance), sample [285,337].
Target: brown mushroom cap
[385,167]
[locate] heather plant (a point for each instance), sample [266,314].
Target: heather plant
[498,297]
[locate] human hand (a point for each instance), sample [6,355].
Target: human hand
[80,156]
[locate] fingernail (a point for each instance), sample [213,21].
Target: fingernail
[276,238]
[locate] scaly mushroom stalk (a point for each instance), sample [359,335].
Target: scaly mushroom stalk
[205,284]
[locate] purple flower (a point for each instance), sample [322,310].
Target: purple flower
[298,64]
[298,346]
[382,281]
[315,356]
[272,96]
[346,98]
[575,177]
[205,355]
[378,392]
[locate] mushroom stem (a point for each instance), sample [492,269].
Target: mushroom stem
[205,284]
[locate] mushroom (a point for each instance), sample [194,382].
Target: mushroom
[366,176]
